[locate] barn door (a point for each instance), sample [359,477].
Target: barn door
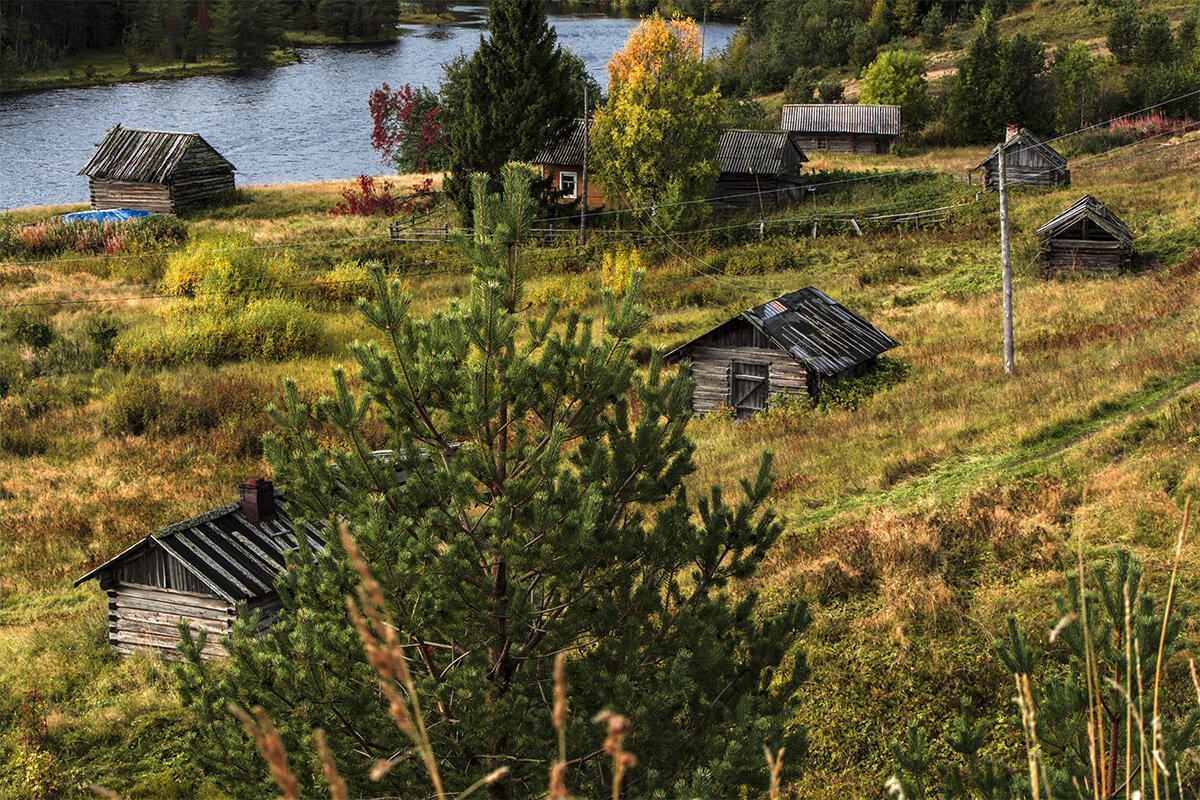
[749,387]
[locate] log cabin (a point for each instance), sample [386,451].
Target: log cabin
[757,168]
[205,571]
[787,346]
[842,127]
[1028,161]
[157,171]
[1086,237]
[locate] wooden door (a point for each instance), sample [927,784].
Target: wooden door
[748,389]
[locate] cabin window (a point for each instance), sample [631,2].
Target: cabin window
[823,144]
[567,184]
[748,390]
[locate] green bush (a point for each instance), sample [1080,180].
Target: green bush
[136,406]
[271,329]
[30,331]
[1098,140]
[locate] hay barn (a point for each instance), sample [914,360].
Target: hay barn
[204,571]
[156,171]
[1028,161]
[789,346]
[757,167]
[1086,237]
[842,127]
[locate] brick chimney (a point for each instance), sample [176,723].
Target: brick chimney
[1011,132]
[258,500]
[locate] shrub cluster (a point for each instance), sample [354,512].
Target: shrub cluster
[53,238]
[272,328]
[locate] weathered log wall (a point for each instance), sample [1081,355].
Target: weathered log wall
[146,619]
[712,369]
[1066,256]
[843,142]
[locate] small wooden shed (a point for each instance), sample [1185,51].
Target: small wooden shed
[562,165]
[842,127]
[789,346]
[1087,237]
[205,570]
[757,167]
[1028,161]
[157,171]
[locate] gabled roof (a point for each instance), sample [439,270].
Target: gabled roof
[570,148]
[758,152]
[1026,140]
[1095,211]
[236,558]
[841,118]
[128,154]
[816,331]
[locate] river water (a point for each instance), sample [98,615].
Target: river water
[303,122]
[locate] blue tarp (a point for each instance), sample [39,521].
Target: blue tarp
[107,215]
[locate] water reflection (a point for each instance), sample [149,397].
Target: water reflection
[304,122]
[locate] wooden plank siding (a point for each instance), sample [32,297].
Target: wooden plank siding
[878,144]
[712,369]
[146,619]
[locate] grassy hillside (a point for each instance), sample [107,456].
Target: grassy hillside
[917,516]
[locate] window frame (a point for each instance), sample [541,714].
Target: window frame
[574,184]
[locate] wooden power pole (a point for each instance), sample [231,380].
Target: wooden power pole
[1006,265]
[583,197]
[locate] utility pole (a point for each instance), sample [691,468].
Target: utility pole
[1006,264]
[586,147]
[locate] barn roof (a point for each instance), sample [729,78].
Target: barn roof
[569,150]
[823,335]
[1026,140]
[1095,211]
[758,152]
[841,118]
[128,154]
[236,558]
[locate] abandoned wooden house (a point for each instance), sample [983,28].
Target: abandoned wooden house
[156,171]
[842,127]
[788,346]
[1087,237]
[1028,161]
[562,165]
[205,571]
[757,168]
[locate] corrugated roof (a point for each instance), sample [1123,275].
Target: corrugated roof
[1026,140]
[816,331]
[758,152]
[841,118]
[128,154]
[234,557]
[568,151]
[1098,213]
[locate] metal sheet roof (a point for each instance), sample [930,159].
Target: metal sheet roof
[841,118]
[757,152]
[234,557]
[816,331]
[1098,213]
[569,150]
[140,156]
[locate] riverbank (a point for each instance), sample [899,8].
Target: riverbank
[111,66]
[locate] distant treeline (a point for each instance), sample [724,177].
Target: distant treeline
[36,33]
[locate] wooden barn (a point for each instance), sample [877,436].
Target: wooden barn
[1028,161]
[562,165]
[789,346]
[842,127]
[156,171]
[1087,237]
[205,570]
[757,167]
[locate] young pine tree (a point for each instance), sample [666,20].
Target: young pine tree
[543,512]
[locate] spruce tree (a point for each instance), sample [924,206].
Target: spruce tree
[544,512]
[514,95]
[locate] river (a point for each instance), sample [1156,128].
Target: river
[307,121]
